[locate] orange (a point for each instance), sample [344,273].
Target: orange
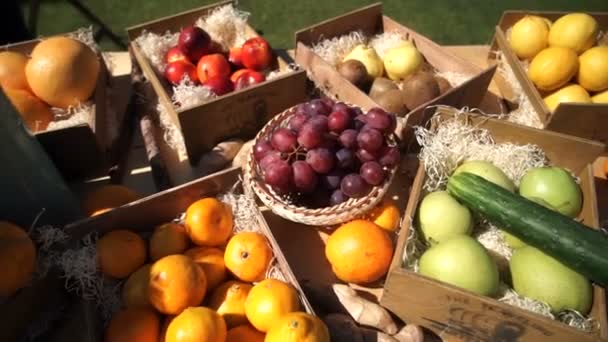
[17,258]
[12,70]
[120,253]
[163,329]
[133,324]
[606,165]
[108,197]
[298,327]
[167,239]
[209,222]
[248,256]
[211,259]
[101,211]
[197,324]
[229,301]
[268,301]
[386,215]
[62,71]
[359,252]
[244,333]
[135,289]
[176,282]
[35,114]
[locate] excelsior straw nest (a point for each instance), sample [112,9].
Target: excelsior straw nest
[227,26]
[444,149]
[82,277]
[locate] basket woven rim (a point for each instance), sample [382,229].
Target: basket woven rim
[331,215]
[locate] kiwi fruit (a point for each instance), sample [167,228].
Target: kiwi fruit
[355,72]
[444,85]
[419,88]
[380,86]
[392,101]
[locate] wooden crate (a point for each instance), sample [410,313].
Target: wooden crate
[451,311]
[370,21]
[237,114]
[80,150]
[585,120]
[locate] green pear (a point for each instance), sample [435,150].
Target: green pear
[402,61]
[369,58]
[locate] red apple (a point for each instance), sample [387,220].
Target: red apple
[248,78]
[214,65]
[235,75]
[175,54]
[256,54]
[175,71]
[235,56]
[219,85]
[194,42]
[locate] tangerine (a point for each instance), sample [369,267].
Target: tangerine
[133,324]
[167,239]
[211,259]
[386,215]
[209,222]
[120,253]
[198,324]
[359,252]
[108,197]
[248,256]
[17,258]
[135,289]
[298,327]
[268,301]
[228,300]
[176,282]
[244,333]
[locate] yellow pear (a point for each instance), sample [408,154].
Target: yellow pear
[369,58]
[402,61]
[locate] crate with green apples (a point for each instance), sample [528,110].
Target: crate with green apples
[502,227]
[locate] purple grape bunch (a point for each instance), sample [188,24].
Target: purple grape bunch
[328,152]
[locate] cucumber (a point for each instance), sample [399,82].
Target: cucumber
[577,246]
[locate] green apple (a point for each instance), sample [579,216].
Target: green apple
[554,186]
[488,171]
[538,276]
[461,261]
[402,61]
[441,216]
[369,58]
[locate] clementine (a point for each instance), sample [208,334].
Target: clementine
[248,256]
[229,301]
[167,239]
[176,282]
[198,324]
[386,215]
[135,289]
[35,114]
[17,258]
[359,252]
[120,253]
[298,327]
[244,333]
[12,70]
[209,222]
[211,259]
[268,301]
[133,324]
[108,197]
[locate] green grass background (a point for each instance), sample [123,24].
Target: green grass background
[445,21]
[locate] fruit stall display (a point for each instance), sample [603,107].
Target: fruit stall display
[209,65]
[57,84]
[368,59]
[555,64]
[323,162]
[503,220]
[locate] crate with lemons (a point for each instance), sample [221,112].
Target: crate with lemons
[566,60]
[205,276]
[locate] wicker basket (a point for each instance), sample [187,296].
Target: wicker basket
[281,206]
